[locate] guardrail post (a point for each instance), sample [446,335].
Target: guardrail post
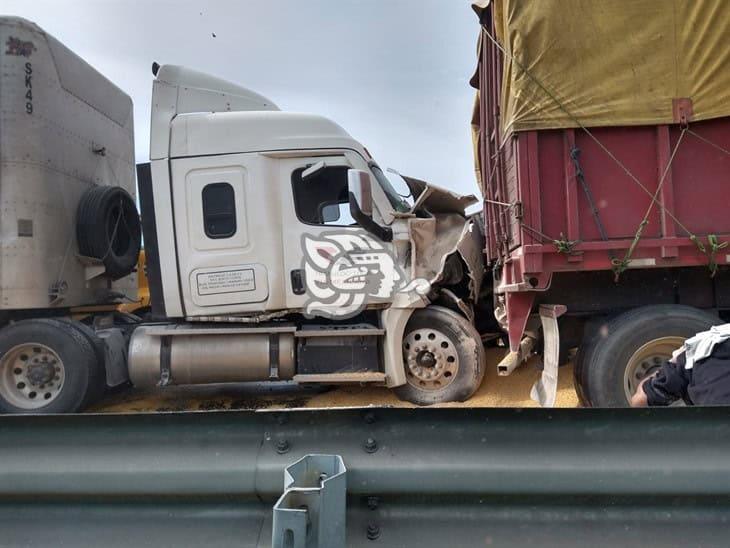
[311,512]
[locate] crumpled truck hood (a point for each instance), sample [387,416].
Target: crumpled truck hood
[435,199]
[445,232]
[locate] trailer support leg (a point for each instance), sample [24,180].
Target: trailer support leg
[545,390]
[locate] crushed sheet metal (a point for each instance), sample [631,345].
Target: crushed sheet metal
[435,199]
[435,239]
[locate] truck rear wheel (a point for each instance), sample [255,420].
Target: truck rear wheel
[443,356]
[46,366]
[629,347]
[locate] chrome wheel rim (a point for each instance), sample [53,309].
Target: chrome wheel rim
[31,376]
[431,358]
[647,360]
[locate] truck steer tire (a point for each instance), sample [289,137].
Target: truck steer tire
[46,366]
[625,349]
[108,229]
[443,356]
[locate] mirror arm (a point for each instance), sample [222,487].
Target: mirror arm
[383,233]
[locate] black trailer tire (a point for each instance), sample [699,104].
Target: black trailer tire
[97,375]
[443,356]
[46,361]
[108,228]
[624,349]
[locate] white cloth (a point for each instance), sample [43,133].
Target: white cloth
[702,345]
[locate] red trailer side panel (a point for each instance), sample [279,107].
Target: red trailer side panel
[539,213]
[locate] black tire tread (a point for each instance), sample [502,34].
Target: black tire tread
[79,356]
[97,375]
[471,368]
[91,235]
[598,355]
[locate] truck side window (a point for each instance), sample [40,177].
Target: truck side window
[323,200]
[219,210]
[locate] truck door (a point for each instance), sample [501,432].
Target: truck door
[228,234]
[316,210]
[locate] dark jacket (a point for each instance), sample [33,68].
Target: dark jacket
[707,383]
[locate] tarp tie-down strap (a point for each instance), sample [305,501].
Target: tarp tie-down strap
[580,175]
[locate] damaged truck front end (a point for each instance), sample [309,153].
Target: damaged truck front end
[350,282]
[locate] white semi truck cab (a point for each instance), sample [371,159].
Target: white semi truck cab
[276,248]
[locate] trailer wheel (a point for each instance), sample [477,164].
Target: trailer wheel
[627,348]
[97,375]
[46,366]
[443,356]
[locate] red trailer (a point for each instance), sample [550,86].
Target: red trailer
[606,179]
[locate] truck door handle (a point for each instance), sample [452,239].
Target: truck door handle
[297,281]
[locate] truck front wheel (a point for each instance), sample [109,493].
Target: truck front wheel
[46,366]
[443,356]
[624,350]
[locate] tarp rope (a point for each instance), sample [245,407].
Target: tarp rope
[714,245]
[621,265]
[562,244]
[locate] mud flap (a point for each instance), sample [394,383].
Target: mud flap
[545,390]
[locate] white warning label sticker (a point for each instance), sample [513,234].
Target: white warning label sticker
[226,281]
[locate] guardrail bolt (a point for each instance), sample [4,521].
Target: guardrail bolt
[282,446]
[373,531]
[371,445]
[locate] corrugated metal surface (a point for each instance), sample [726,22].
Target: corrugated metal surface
[417,477]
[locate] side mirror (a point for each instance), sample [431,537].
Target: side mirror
[359,186]
[361,195]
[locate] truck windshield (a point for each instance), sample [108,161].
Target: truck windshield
[395,188]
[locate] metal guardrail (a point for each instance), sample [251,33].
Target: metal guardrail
[422,477]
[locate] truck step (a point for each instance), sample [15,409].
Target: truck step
[342,378]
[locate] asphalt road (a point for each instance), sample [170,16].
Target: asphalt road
[512,391]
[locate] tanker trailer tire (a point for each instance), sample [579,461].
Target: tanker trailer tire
[443,356]
[625,349]
[108,229]
[46,366]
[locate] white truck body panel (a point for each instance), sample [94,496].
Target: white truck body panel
[255,131]
[55,110]
[209,131]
